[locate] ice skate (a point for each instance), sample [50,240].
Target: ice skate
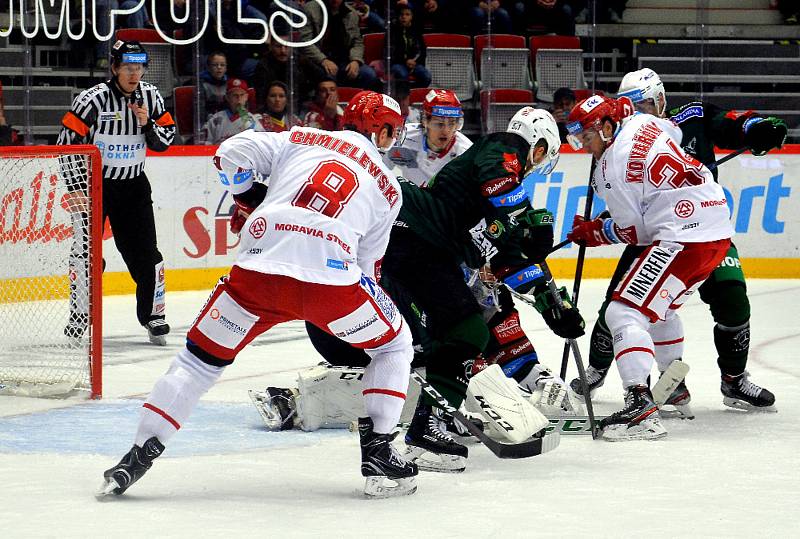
[387,473]
[454,427]
[277,407]
[430,447]
[639,420]
[677,404]
[740,393]
[130,469]
[157,329]
[594,378]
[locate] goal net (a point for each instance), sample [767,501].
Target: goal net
[50,270]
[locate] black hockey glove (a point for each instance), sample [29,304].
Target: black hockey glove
[763,134]
[567,323]
[537,234]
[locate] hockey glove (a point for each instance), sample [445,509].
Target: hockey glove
[763,134]
[537,234]
[567,323]
[245,203]
[593,233]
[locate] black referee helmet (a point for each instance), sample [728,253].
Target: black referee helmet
[128,52]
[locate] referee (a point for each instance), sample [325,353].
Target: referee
[123,117]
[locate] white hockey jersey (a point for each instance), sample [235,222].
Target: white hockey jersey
[416,161]
[655,191]
[329,207]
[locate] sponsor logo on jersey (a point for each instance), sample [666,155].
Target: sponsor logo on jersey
[648,273]
[110,116]
[712,203]
[510,199]
[695,111]
[642,142]
[337,264]
[258,227]
[288,227]
[684,209]
[493,186]
[511,163]
[384,302]
[509,330]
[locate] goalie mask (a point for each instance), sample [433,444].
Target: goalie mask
[640,86]
[538,127]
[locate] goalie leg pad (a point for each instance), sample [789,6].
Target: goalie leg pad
[329,397]
[498,398]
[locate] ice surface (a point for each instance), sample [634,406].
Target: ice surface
[725,474]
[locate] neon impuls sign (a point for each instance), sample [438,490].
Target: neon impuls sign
[31,23]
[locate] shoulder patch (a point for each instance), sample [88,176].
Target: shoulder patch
[684,113]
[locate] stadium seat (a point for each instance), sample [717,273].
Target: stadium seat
[374,45]
[503,61]
[557,62]
[346,93]
[498,106]
[449,59]
[161,68]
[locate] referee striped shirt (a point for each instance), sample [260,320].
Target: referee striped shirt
[100,116]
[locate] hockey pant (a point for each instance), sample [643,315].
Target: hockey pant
[660,280]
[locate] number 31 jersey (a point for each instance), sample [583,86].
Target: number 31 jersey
[655,191]
[329,207]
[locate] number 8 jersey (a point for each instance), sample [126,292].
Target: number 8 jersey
[655,191]
[329,207]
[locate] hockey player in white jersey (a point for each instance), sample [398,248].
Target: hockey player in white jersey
[435,141]
[657,196]
[311,245]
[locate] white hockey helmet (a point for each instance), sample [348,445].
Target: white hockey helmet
[534,125]
[644,84]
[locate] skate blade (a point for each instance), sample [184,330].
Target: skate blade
[675,411]
[746,406]
[435,462]
[106,490]
[272,419]
[649,429]
[158,340]
[380,486]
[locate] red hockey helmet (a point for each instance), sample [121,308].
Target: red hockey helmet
[444,104]
[590,114]
[368,112]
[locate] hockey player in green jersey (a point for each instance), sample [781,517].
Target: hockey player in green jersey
[703,126]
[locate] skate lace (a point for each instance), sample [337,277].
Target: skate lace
[435,429]
[593,375]
[749,388]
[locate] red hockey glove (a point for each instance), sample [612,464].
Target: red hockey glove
[593,233]
[245,204]
[240,214]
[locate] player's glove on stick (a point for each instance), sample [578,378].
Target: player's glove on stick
[567,323]
[595,232]
[537,235]
[763,134]
[245,204]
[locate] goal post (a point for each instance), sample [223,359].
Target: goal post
[51,235]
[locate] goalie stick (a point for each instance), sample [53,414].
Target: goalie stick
[530,448]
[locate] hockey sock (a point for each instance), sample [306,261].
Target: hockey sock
[601,349]
[633,346]
[174,396]
[667,337]
[385,381]
[725,292]
[733,345]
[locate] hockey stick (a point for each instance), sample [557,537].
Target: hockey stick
[576,287]
[727,158]
[533,447]
[571,343]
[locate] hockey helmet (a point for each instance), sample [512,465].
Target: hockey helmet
[642,85]
[535,125]
[128,52]
[590,114]
[443,104]
[368,112]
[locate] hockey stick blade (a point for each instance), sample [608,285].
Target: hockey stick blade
[672,376]
[569,424]
[530,448]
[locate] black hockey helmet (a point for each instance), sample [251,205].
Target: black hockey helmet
[128,52]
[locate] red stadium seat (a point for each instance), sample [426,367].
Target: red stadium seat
[447,40]
[552,42]
[374,47]
[498,106]
[417,95]
[142,35]
[499,41]
[184,109]
[346,93]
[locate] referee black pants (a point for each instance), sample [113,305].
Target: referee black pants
[129,208]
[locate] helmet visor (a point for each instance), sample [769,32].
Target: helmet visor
[576,135]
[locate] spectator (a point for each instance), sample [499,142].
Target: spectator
[137,19]
[276,117]
[563,101]
[439,16]
[235,118]
[489,12]
[555,15]
[340,52]
[408,50]
[608,11]
[214,83]
[274,65]
[324,111]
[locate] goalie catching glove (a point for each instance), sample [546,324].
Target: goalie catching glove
[567,323]
[245,204]
[763,134]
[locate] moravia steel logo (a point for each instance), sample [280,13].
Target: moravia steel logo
[258,227]
[684,209]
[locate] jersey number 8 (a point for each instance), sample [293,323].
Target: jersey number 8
[327,189]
